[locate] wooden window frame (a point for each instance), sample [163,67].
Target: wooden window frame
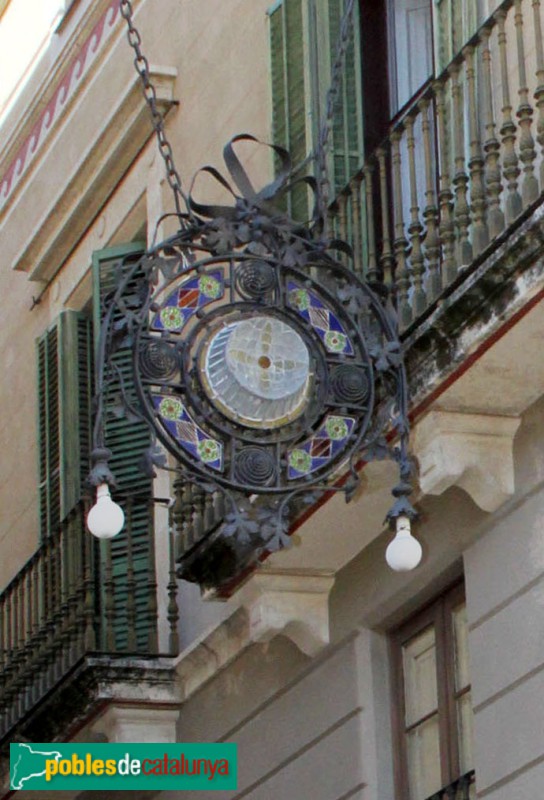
[439,614]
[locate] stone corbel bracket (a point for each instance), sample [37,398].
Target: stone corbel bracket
[272,602]
[472,451]
[292,603]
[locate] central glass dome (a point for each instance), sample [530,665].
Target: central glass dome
[257,371]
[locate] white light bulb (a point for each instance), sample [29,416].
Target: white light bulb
[105,519]
[404,552]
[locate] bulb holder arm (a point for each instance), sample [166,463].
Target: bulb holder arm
[402,507]
[100,472]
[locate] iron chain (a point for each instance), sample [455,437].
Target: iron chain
[142,67]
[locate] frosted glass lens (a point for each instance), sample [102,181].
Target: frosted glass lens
[424,760]
[268,358]
[257,371]
[419,661]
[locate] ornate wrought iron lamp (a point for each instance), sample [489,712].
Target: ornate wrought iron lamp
[261,363]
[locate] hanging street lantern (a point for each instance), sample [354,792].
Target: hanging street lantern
[261,363]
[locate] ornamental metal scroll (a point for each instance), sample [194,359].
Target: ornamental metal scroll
[261,363]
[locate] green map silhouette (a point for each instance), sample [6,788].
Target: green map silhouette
[29,763]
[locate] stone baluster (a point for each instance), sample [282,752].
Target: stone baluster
[173,608]
[331,221]
[539,91]
[342,221]
[152,605]
[460,178]
[478,200]
[373,275]
[430,212]
[356,225]
[445,196]
[209,515]
[527,152]
[492,146]
[387,259]
[219,506]
[402,274]
[415,228]
[186,539]
[131,581]
[198,512]
[513,205]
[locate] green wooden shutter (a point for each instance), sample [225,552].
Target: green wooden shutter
[64,416]
[127,440]
[289,102]
[346,139]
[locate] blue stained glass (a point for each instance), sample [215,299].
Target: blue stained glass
[182,427]
[327,326]
[322,447]
[187,298]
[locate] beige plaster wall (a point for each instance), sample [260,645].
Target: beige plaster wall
[303,729]
[320,727]
[221,56]
[505,592]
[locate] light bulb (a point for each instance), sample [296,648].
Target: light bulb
[404,552]
[105,519]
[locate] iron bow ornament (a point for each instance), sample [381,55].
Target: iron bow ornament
[261,363]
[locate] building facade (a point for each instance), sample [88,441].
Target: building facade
[337,677]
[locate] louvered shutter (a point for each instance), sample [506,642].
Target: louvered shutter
[127,440]
[346,137]
[64,416]
[289,102]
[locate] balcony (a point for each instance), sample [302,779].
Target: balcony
[446,215]
[70,618]
[459,172]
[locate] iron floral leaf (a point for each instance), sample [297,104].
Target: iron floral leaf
[274,526]
[353,298]
[387,356]
[153,457]
[220,237]
[240,525]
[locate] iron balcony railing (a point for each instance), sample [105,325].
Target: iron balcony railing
[77,597]
[464,788]
[458,168]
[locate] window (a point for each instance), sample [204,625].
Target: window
[127,438]
[303,40]
[64,355]
[65,388]
[432,699]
